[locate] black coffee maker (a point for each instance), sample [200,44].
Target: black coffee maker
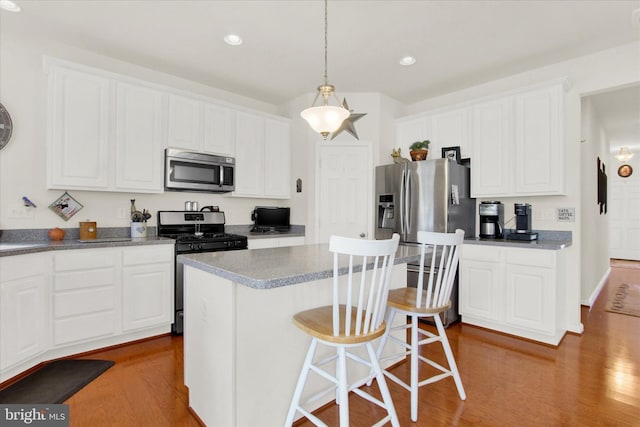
[523,223]
[491,220]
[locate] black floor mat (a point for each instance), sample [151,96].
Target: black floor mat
[55,382]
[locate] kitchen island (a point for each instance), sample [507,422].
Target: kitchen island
[242,353]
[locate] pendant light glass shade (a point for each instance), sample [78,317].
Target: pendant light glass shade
[325,118]
[624,155]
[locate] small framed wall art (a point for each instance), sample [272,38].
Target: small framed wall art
[625,171]
[452,153]
[65,206]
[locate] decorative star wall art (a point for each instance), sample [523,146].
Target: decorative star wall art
[348,123]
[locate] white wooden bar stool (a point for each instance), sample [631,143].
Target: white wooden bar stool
[355,319]
[427,300]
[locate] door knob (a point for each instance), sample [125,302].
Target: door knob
[362,235]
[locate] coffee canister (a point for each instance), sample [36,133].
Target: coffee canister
[88,230]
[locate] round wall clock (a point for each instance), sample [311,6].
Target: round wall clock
[625,171]
[5,126]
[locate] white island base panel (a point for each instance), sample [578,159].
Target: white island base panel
[242,352]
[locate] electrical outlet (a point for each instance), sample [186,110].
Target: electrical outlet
[122,213]
[20,212]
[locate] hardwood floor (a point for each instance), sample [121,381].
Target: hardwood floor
[590,380]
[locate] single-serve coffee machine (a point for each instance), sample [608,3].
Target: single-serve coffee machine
[491,220]
[523,223]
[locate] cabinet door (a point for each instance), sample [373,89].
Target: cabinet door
[139,139]
[23,308]
[480,289]
[412,130]
[450,129]
[539,142]
[79,130]
[147,296]
[219,130]
[277,159]
[147,286]
[530,290]
[249,155]
[491,149]
[185,128]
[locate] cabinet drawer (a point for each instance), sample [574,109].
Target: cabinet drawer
[85,301]
[531,257]
[84,327]
[481,253]
[148,255]
[20,266]
[84,279]
[84,259]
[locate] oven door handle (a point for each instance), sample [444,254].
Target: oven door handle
[221,175]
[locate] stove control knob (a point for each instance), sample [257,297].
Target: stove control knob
[199,246]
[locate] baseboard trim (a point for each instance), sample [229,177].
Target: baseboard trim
[596,292]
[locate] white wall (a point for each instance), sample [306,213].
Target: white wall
[23,89]
[588,74]
[594,249]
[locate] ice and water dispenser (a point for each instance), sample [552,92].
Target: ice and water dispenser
[386,211]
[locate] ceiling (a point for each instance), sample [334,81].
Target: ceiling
[457,44]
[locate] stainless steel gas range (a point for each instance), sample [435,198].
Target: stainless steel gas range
[194,232]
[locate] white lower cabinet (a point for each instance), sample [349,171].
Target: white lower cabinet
[24,294]
[85,287]
[54,304]
[275,242]
[147,287]
[513,290]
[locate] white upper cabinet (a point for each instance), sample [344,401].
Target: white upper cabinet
[138,138]
[450,129]
[103,134]
[518,144]
[443,129]
[186,118]
[79,131]
[277,159]
[199,126]
[516,141]
[249,155]
[492,152]
[411,130]
[219,130]
[263,167]
[539,141]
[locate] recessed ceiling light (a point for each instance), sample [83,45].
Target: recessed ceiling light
[9,5]
[407,60]
[233,40]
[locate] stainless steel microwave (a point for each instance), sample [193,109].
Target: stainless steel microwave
[190,171]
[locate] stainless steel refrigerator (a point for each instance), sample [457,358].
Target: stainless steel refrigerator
[429,195]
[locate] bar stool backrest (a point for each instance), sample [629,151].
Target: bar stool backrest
[442,252]
[359,307]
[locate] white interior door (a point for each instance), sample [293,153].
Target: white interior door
[624,218]
[344,191]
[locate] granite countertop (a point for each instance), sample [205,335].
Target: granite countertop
[8,248]
[275,267]
[547,239]
[245,230]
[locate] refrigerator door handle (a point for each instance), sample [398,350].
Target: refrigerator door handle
[402,196]
[407,200]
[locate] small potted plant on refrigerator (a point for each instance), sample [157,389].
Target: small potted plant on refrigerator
[419,150]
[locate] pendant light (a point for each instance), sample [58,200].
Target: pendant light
[325,118]
[624,155]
